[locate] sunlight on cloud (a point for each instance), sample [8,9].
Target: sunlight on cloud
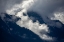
[35,27]
[46,37]
[25,21]
[22,6]
[58,16]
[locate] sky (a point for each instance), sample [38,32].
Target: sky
[53,9]
[43,7]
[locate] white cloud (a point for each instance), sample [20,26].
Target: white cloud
[35,27]
[45,8]
[25,21]
[46,37]
[18,7]
[58,16]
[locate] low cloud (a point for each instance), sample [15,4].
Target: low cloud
[26,22]
[35,27]
[45,8]
[58,16]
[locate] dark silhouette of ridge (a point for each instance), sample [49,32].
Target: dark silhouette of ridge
[13,36]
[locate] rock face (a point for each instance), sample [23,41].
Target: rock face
[11,32]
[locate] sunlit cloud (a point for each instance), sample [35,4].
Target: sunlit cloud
[25,21]
[58,16]
[45,8]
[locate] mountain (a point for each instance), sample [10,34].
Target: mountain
[11,32]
